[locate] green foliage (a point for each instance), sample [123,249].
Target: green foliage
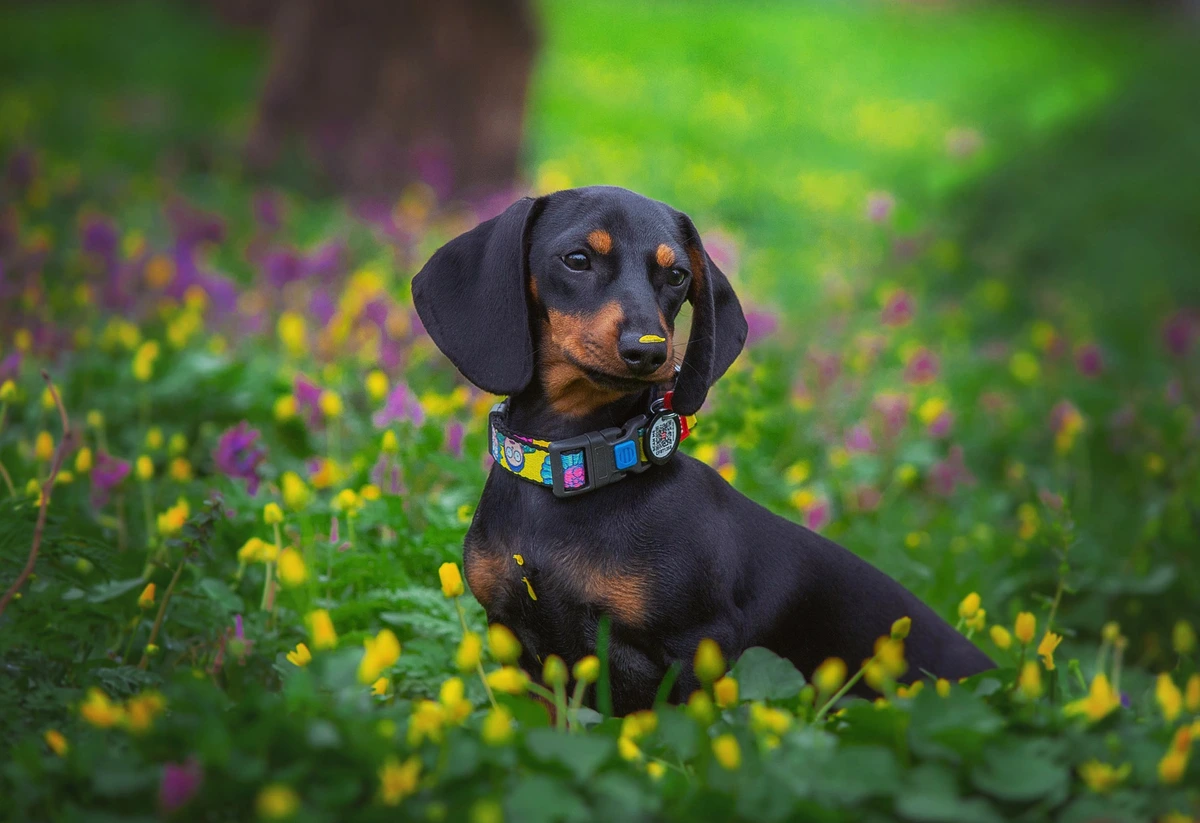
[1013,469]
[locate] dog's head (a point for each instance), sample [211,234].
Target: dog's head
[581,289]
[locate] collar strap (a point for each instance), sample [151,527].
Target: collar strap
[593,459]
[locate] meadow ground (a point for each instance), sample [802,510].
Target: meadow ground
[967,244]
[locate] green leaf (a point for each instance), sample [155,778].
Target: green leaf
[1021,772]
[540,799]
[114,589]
[219,592]
[678,733]
[763,675]
[582,755]
[930,795]
[959,723]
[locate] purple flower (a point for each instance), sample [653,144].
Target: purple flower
[894,408]
[759,324]
[454,438]
[308,396]
[107,474]
[1089,360]
[10,366]
[386,475]
[899,309]
[879,206]
[401,404]
[325,261]
[819,514]
[947,475]
[867,498]
[98,236]
[22,169]
[941,425]
[282,266]
[193,226]
[859,439]
[180,782]
[268,209]
[922,367]
[239,456]
[1179,332]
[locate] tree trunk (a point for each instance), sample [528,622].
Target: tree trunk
[385,92]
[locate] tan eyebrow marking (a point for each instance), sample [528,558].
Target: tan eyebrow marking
[600,240]
[664,255]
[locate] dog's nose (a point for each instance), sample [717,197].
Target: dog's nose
[643,353]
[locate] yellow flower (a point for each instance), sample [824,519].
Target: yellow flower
[1192,694]
[830,676]
[292,571]
[638,724]
[43,448]
[293,333]
[57,743]
[1046,649]
[389,444]
[913,690]
[1001,637]
[1169,698]
[452,583]
[376,385]
[969,606]
[765,719]
[276,802]
[252,551]
[700,707]
[181,470]
[320,626]
[725,691]
[942,686]
[141,710]
[272,514]
[470,651]
[83,461]
[143,360]
[931,410]
[979,621]
[798,472]
[628,749]
[328,472]
[502,643]
[1026,628]
[452,696]
[154,438]
[1155,463]
[285,408]
[554,671]
[656,770]
[145,468]
[426,722]
[172,520]
[381,687]
[398,780]
[709,663]
[295,492]
[177,444]
[1100,701]
[8,391]
[1024,366]
[587,670]
[146,598]
[1172,766]
[299,656]
[727,752]
[330,403]
[1183,637]
[508,679]
[497,727]
[890,654]
[1111,631]
[1102,778]
[1029,683]
[901,628]
[101,712]
[380,652]
[369,492]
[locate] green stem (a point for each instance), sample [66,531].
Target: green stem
[840,693]
[576,704]
[560,706]
[12,492]
[151,537]
[162,611]
[462,619]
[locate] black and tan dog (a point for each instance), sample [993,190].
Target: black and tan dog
[567,303]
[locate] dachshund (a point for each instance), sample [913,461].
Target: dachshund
[566,304]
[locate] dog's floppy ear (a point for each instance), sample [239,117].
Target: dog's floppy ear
[718,325]
[471,297]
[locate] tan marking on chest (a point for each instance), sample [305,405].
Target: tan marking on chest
[487,574]
[622,594]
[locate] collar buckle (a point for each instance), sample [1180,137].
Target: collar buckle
[590,461]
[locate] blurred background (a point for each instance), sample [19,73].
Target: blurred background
[982,217]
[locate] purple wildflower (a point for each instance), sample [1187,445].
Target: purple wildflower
[941,425]
[401,404]
[454,438]
[22,169]
[879,206]
[282,266]
[325,261]
[308,396]
[1089,360]
[859,439]
[98,236]
[922,367]
[386,475]
[1179,332]
[180,782]
[819,514]
[899,309]
[10,366]
[947,475]
[893,407]
[239,456]
[268,209]
[759,324]
[867,498]
[107,474]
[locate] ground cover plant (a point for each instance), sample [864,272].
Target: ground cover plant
[235,473]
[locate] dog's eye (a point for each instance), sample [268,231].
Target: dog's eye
[577,261]
[676,277]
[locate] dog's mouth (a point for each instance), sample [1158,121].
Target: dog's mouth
[623,383]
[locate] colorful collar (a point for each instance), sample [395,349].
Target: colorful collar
[592,460]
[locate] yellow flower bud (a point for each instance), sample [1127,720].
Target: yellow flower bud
[942,686]
[587,670]
[321,628]
[901,628]
[700,707]
[57,742]
[554,672]
[969,605]
[376,385]
[1183,637]
[725,691]
[292,571]
[389,444]
[503,644]
[285,408]
[470,651]
[276,802]
[1001,637]
[1029,682]
[497,727]
[83,461]
[379,653]
[452,583]
[295,493]
[43,448]
[727,752]
[508,679]
[146,598]
[272,514]
[1046,649]
[154,438]
[145,468]
[8,391]
[1026,628]
[830,676]
[331,404]
[709,663]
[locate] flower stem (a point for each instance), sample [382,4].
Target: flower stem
[162,611]
[840,693]
[462,619]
